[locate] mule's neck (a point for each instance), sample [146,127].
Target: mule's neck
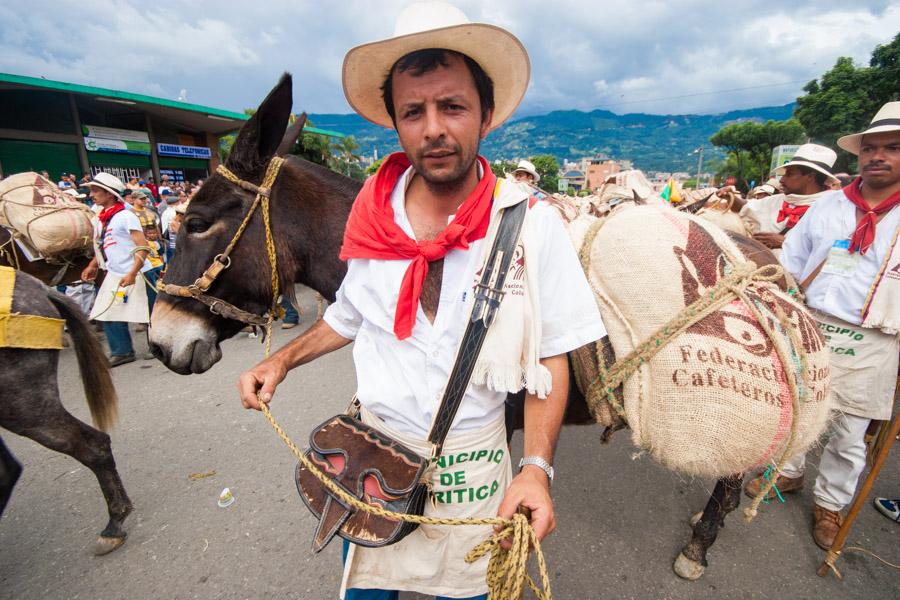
[313,220]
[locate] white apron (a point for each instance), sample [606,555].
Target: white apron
[863,366]
[469,481]
[121,304]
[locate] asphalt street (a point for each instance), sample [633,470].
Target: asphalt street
[622,518]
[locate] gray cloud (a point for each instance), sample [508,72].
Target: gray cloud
[656,57]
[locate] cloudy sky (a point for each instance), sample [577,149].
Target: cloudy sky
[655,56]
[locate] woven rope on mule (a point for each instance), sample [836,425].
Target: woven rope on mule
[726,290]
[507,569]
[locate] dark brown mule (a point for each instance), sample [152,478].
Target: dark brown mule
[309,212]
[51,273]
[30,404]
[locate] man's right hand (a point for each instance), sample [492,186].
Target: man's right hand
[89,273]
[259,383]
[770,240]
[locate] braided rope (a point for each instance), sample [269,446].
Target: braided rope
[507,569]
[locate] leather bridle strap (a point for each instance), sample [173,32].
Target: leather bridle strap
[197,290]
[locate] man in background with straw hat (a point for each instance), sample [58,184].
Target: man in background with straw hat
[803,179]
[845,252]
[120,249]
[415,241]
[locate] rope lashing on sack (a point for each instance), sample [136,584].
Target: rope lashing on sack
[726,290]
[507,569]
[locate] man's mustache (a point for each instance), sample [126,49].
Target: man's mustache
[877,165]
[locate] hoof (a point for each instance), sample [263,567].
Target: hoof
[696,518]
[105,545]
[687,568]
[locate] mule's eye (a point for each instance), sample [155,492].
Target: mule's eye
[196,225]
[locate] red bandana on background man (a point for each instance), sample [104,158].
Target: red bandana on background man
[791,213]
[109,212]
[372,232]
[864,235]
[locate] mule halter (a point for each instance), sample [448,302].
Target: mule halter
[201,285]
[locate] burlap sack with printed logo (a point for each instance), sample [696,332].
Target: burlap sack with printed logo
[50,221]
[715,399]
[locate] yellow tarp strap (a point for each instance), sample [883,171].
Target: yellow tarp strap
[25,331]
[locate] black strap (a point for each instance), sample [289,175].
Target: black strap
[103,239]
[488,294]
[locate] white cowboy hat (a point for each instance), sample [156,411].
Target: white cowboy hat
[812,156]
[110,183]
[437,25]
[886,119]
[527,167]
[74,193]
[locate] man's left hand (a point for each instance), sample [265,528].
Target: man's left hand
[127,280]
[531,489]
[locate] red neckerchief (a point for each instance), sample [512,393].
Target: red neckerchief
[791,213]
[107,213]
[864,234]
[372,232]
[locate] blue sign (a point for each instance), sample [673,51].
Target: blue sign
[185,151]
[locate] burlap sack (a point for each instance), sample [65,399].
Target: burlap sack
[715,400]
[49,220]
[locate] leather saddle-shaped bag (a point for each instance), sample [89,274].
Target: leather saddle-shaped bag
[370,466]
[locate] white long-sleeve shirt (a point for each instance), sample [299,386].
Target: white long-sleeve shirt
[841,292]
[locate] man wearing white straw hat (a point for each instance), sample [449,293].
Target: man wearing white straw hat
[804,179]
[526,173]
[415,242]
[845,252]
[120,249]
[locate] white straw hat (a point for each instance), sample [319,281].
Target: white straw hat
[886,119]
[528,167]
[812,156]
[110,183]
[437,25]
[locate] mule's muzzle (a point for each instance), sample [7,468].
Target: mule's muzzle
[183,341]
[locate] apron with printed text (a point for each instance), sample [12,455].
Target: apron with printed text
[863,365]
[470,480]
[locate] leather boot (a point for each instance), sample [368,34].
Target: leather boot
[826,527]
[785,485]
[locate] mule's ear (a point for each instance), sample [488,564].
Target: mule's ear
[261,135]
[291,135]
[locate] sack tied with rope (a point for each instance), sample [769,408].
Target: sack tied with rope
[44,217]
[723,371]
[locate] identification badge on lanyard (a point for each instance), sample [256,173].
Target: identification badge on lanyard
[840,260]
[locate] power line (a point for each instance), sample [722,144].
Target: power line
[741,89]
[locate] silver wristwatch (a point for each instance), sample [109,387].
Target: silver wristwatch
[538,462]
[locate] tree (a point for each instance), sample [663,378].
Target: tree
[371,169]
[750,145]
[885,65]
[501,168]
[548,168]
[845,98]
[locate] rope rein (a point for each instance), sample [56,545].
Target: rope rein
[507,569]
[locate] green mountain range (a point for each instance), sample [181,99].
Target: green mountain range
[651,142]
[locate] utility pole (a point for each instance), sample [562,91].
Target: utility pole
[699,164]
